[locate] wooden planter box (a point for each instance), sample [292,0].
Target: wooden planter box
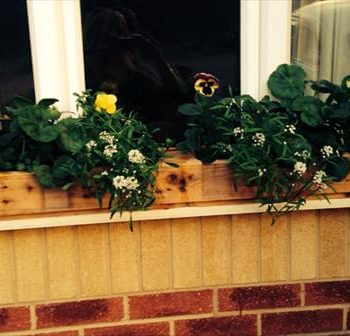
[189,185]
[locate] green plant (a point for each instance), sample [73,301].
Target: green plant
[206,119]
[289,148]
[103,149]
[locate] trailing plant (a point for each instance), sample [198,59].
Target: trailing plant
[289,148]
[103,149]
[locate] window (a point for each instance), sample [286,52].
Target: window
[321,38]
[16,76]
[148,51]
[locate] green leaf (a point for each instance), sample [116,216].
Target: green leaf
[323,86]
[44,176]
[311,110]
[190,110]
[345,84]
[63,167]
[47,102]
[287,82]
[338,167]
[71,137]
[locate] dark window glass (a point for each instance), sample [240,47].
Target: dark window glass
[147,52]
[16,76]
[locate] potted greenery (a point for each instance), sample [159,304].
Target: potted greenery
[288,148]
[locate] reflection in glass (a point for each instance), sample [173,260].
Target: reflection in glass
[321,38]
[147,52]
[16,77]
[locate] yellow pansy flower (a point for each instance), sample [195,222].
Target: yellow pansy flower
[206,84]
[106,102]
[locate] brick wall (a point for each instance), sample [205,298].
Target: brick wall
[316,308]
[222,275]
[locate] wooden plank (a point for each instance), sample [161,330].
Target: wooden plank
[191,183]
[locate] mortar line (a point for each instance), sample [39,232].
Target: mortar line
[172,328]
[259,324]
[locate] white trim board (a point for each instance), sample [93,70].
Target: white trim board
[102,216]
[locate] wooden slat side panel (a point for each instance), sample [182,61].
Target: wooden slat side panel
[62,255]
[125,257]
[216,250]
[30,256]
[333,243]
[246,248]
[94,260]
[304,245]
[274,248]
[156,255]
[187,257]
[7,285]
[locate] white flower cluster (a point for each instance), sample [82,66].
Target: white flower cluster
[300,168]
[135,156]
[259,139]
[318,178]
[326,151]
[90,145]
[238,131]
[106,137]
[290,128]
[109,150]
[129,183]
[261,172]
[305,154]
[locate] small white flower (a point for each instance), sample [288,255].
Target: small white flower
[106,137]
[109,150]
[318,179]
[300,168]
[104,173]
[238,131]
[326,151]
[129,183]
[259,139]
[261,172]
[135,156]
[290,128]
[90,145]
[305,154]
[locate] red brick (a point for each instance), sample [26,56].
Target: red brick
[148,329]
[259,297]
[243,325]
[302,322]
[72,313]
[330,292]
[171,304]
[14,319]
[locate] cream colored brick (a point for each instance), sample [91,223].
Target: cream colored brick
[30,254]
[333,242]
[62,262]
[245,248]
[156,254]
[304,245]
[125,258]
[216,250]
[274,248]
[6,269]
[94,262]
[186,252]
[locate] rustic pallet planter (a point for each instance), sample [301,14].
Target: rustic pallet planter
[189,185]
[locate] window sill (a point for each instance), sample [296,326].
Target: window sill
[192,190]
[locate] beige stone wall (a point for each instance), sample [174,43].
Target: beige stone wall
[105,260]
